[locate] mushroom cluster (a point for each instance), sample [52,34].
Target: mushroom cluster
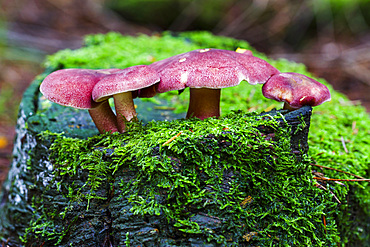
[91,89]
[205,72]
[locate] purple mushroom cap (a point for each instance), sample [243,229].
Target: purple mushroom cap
[211,68]
[73,87]
[205,72]
[123,86]
[295,90]
[125,80]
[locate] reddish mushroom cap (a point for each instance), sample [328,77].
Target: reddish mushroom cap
[211,68]
[295,89]
[71,87]
[126,80]
[257,70]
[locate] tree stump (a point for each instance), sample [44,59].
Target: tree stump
[240,180]
[38,209]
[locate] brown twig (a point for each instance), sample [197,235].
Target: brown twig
[345,180]
[330,168]
[322,187]
[172,138]
[324,221]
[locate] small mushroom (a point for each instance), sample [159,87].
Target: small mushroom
[295,90]
[206,71]
[73,87]
[121,86]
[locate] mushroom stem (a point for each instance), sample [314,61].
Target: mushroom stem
[204,103]
[104,117]
[125,109]
[288,107]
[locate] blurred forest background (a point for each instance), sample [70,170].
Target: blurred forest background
[332,37]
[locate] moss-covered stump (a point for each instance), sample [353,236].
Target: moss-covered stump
[205,186]
[243,179]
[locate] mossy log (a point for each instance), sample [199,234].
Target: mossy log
[44,204]
[243,179]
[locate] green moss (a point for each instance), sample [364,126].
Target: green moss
[116,51]
[212,167]
[331,123]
